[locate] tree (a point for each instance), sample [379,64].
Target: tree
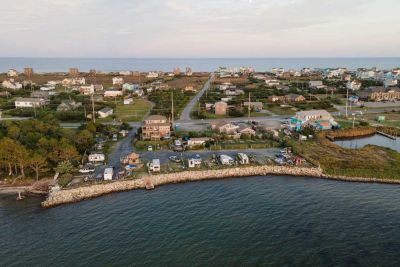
[7,156]
[37,164]
[64,167]
[22,157]
[84,140]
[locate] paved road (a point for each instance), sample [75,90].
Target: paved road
[342,110]
[164,155]
[185,116]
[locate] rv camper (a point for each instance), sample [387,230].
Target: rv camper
[154,165]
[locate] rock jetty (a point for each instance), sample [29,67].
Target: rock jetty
[65,196]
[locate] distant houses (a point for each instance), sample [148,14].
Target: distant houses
[117,81]
[290,98]
[73,81]
[11,84]
[379,93]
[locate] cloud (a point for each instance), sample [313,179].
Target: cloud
[138,28]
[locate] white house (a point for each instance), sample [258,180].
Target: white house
[73,81]
[271,82]
[152,74]
[128,101]
[125,72]
[12,73]
[315,84]
[353,85]
[113,93]
[105,112]
[11,84]
[29,102]
[389,82]
[117,80]
[311,115]
[87,89]
[224,127]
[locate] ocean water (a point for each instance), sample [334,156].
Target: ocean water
[257,221]
[197,64]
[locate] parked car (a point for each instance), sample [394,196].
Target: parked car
[150,148]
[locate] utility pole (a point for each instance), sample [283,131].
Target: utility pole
[172,108]
[93,114]
[34,109]
[249,108]
[347,101]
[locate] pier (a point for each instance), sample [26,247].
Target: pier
[393,137]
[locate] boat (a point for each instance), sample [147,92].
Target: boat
[87,169]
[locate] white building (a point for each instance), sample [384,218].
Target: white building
[29,102]
[87,89]
[389,82]
[105,112]
[126,73]
[152,74]
[118,81]
[113,93]
[12,73]
[353,85]
[128,101]
[271,82]
[312,115]
[73,81]
[11,84]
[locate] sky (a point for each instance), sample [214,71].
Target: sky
[199,28]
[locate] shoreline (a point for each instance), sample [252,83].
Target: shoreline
[9,190]
[66,196]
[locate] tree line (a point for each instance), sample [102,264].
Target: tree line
[33,148]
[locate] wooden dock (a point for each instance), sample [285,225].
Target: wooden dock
[387,135]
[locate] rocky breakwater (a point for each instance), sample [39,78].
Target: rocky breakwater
[189,176]
[65,196]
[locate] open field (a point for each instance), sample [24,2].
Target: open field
[197,81]
[132,112]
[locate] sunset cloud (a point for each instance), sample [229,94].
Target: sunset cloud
[191,28]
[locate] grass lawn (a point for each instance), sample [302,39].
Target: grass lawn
[132,112]
[129,113]
[281,110]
